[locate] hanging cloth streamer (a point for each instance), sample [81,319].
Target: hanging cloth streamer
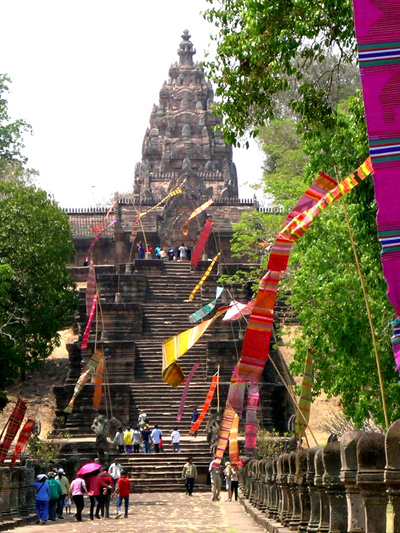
[253,396]
[86,333]
[186,390]
[377,33]
[174,347]
[98,382]
[11,428]
[97,228]
[175,192]
[303,412]
[201,243]
[233,441]
[206,309]
[204,277]
[209,397]
[238,310]
[84,378]
[23,438]
[194,214]
[90,288]
[98,237]
[135,229]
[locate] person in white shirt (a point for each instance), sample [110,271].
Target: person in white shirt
[142,419]
[119,441]
[175,438]
[182,252]
[115,471]
[216,481]
[136,439]
[156,436]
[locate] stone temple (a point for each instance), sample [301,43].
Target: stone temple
[180,148]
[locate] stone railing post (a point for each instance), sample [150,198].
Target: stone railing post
[264,487]
[273,507]
[279,483]
[370,480]
[304,496]
[334,488]
[392,471]
[348,476]
[294,519]
[323,526]
[287,506]
[315,506]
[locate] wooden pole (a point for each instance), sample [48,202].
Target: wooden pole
[218,389]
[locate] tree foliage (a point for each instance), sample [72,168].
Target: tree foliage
[37,296]
[264,48]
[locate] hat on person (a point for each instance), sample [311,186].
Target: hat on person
[227,463]
[40,477]
[51,474]
[60,471]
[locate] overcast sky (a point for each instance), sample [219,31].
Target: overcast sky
[86,74]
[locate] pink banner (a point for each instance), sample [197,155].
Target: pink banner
[186,390]
[86,334]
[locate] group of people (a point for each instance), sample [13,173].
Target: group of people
[131,440]
[172,254]
[53,492]
[231,475]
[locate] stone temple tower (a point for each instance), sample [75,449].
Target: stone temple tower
[180,147]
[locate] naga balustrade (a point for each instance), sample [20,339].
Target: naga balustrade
[342,487]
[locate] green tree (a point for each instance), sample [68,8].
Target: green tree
[37,297]
[264,48]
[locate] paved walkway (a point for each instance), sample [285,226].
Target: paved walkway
[165,512]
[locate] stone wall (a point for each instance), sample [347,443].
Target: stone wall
[17,497]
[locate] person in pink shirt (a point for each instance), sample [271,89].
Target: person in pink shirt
[95,485]
[76,490]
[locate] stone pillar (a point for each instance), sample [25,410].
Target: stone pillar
[294,519]
[323,526]
[392,471]
[315,506]
[370,480]
[26,494]
[287,506]
[274,491]
[304,496]
[264,488]
[334,488]
[348,476]
[119,236]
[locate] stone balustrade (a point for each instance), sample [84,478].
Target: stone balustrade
[343,487]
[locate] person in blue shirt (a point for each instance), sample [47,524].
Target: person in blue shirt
[42,499]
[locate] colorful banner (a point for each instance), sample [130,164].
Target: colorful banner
[97,228]
[98,237]
[186,390]
[200,245]
[11,428]
[206,309]
[90,288]
[23,438]
[175,192]
[377,32]
[174,347]
[84,378]
[98,382]
[209,397]
[303,412]
[204,277]
[135,229]
[238,310]
[233,441]
[86,333]
[253,396]
[224,432]
[194,214]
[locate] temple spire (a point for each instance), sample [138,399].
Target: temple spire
[186,50]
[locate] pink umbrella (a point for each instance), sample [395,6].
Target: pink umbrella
[88,468]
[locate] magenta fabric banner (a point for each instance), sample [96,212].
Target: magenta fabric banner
[186,390]
[253,396]
[378,37]
[98,237]
[86,334]
[199,248]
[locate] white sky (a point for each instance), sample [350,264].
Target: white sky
[86,74]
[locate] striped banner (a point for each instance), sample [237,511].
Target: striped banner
[175,192]
[224,432]
[135,229]
[200,245]
[238,310]
[97,228]
[206,309]
[253,396]
[90,288]
[98,382]
[233,441]
[186,390]
[303,412]
[203,279]
[206,405]
[84,378]
[194,214]
[23,438]
[11,428]
[86,333]
[98,237]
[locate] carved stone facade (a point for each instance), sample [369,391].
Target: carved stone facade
[180,146]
